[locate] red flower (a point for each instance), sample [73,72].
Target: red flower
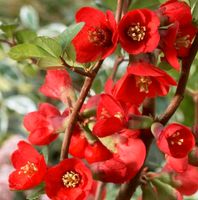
[176,11]
[57,85]
[98,38]
[176,140]
[138,31]
[111,117]
[80,148]
[97,152]
[30,167]
[43,124]
[78,143]
[176,42]
[140,81]
[125,163]
[69,180]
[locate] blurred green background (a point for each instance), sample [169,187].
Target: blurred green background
[19,82]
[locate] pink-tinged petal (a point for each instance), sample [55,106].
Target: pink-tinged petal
[177,164]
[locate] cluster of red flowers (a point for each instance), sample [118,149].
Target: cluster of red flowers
[113,151]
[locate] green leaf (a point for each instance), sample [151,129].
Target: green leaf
[65,38]
[140,122]
[24,51]
[29,17]
[148,192]
[49,45]
[194,9]
[164,190]
[49,62]
[25,36]
[70,54]
[109,142]
[45,152]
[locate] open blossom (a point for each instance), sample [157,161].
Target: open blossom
[57,85]
[98,38]
[68,180]
[176,140]
[138,31]
[30,167]
[140,81]
[43,124]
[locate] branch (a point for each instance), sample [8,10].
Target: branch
[118,14]
[76,109]
[179,94]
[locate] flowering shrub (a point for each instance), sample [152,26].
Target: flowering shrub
[107,136]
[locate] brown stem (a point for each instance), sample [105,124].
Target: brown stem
[74,69]
[128,189]
[76,109]
[179,94]
[100,187]
[117,62]
[7,42]
[118,14]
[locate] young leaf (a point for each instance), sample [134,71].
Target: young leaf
[38,191]
[49,45]
[65,38]
[25,36]
[24,51]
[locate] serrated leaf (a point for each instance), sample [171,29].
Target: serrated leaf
[50,45]
[65,38]
[29,17]
[25,36]
[24,51]
[140,122]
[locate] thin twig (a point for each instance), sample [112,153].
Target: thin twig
[118,61]
[99,190]
[74,115]
[179,94]
[118,14]
[7,42]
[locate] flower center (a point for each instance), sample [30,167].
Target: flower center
[29,169]
[71,179]
[99,37]
[175,139]
[143,82]
[183,42]
[136,32]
